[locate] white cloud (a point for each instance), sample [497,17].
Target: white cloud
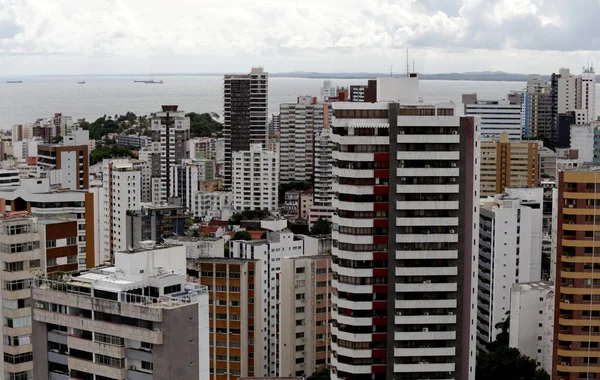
[325,35]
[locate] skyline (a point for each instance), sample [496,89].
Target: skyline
[109,37]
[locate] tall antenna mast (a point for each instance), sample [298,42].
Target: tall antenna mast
[407,66]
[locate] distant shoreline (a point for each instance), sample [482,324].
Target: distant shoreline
[484,76]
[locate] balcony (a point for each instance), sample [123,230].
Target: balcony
[424,319]
[429,139]
[425,335]
[426,271]
[428,172]
[424,367]
[427,205]
[422,221]
[427,155]
[427,188]
[427,287]
[429,351]
[427,254]
[426,304]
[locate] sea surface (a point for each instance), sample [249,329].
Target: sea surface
[41,97]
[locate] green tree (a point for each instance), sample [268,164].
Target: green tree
[109,151]
[321,227]
[204,124]
[263,235]
[322,374]
[507,364]
[242,235]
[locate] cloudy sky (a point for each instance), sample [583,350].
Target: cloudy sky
[145,36]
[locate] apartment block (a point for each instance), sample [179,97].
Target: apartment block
[154,223]
[576,306]
[237,338]
[245,114]
[71,157]
[36,196]
[510,251]
[255,179]
[305,331]
[532,321]
[506,163]
[496,116]
[278,245]
[121,191]
[323,178]
[170,130]
[300,123]
[405,234]
[138,319]
[210,205]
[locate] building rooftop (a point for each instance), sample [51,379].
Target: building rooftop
[193,238]
[542,285]
[223,259]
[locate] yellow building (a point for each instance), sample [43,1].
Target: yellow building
[507,163]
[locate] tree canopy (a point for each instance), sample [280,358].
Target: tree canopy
[109,151]
[502,362]
[322,374]
[204,124]
[321,227]
[242,235]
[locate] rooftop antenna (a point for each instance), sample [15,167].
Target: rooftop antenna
[407,66]
[391,71]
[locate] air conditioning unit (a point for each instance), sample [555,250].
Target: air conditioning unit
[450,313]
[132,367]
[455,132]
[400,132]
[567,301]
[398,313]
[453,164]
[402,179]
[425,329]
[426,313]
[427,166]
[452,231]
[452,179]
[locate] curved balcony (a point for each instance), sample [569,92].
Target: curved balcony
[354,239]
[426,188]
[427,172]
[353,173]
[351,288]
[421,221]
[352,206]
[353,189]
[427,238]
[352,321]
[427,205]
[350,255]
[360,140]
[367,337]
[426,271]
[352,156]
[349,352]
[425,335]
[425,304]
[351,222]
[352,272]
[354,305]
[349,368]
[432,254]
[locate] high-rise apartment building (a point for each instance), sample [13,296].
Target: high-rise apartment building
[170,130]
[154,223]
[582,140]
[538,113]
[532,321]
[506,163]
[21,132]
[185,180]
[323,178]
[496,116]
[576,93]
[404,235]
[255,179]
[138,319]
[71,157]
[245,114]
[237,339]
[120,192]
[36,196]
[300,123]
[576,300]
[305,290]
[510,250]
[270,252]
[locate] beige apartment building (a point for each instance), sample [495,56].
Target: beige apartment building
[305,291]
[507,163]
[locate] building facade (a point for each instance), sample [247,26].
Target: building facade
[255,175]
[510,250]
[532,321]
[575,308]
[71,157]
[496,116]
[404,236]
[305,313]
[506,163]
[300,123]
[245,114]
[138,319]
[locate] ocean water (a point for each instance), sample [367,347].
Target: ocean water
[41,97]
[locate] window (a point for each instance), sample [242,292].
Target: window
[221,288]
[321,310]
[299,335]
[300,270]
[50,243]
[17,285]
[300,309]
[34,263]
[299,322]
[147,366]
[299,360]
[71,241]
[321,270]
[172,289]
[147,346]
[19,358]
[300,296]
[25,375]
[234,289]
[51,262]
[300,348]
[20,340]
[221,316]
[109,339]
[13,267]
[71,259]
[234,358]
[110,361]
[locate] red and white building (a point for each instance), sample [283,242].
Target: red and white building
[405,239]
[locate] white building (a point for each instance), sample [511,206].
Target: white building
[300,123]
[269,252]
[10,178]
[532,321]
[26,148]
[197,247]
[185,179]
[577,93]
[510,246]
[398,89]
[121,187]
[582,139]
[255,178]
[152,323]
[21,132]
[327,91]
[209,205]
[496,116]
[323,178]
